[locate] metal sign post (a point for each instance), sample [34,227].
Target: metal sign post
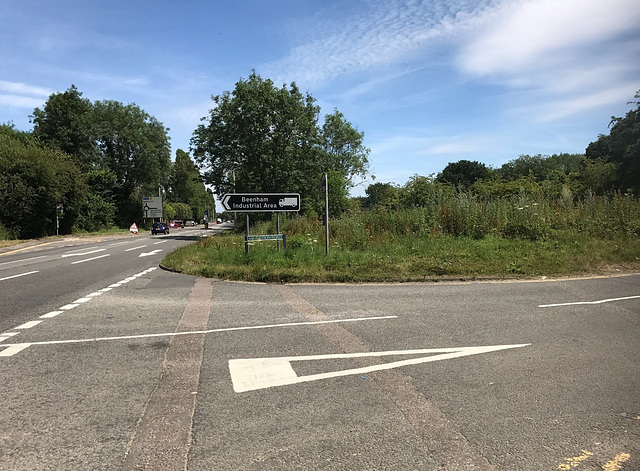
[261,203]
[325,187]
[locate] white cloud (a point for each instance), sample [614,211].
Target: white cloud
[527,33]
[23,89]
[386,33]
[15,101]
[559,109]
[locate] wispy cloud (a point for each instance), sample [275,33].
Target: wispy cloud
[385,33]
[15,101]
[521,35]
[23,89]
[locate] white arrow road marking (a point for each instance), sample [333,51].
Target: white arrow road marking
[153,252]
[260,373]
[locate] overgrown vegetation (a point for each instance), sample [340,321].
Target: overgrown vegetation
[459,235]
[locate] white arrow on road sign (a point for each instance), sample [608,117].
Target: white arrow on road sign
[147,254]
[260,373]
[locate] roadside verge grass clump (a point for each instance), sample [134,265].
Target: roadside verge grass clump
[462,237]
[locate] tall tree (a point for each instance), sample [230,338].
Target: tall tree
[464,173]
[33,180]
[622,147]
[135,147]
[186,186]
[67,123]
[260,138]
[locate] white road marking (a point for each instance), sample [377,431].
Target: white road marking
[260,373]
[7,335]
[78,254]
[18,276]
[175,334]
[135,248]
[28,325]
[589,302]
[22,260]
[93,258]
[13,349]
[147,254]
[66,307]
[121,243]
[160,242]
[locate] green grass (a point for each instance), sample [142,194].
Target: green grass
[407,259]
[459,237]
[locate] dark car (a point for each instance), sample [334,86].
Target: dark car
[159,228]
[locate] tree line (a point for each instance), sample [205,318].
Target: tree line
[99,158]
[611,164]
[96,159]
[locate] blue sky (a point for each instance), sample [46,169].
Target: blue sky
[429,82]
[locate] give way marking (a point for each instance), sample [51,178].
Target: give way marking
[260,373]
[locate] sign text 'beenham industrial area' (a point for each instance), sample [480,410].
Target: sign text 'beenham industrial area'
[261,202]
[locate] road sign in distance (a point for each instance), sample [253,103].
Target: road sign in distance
[152,206]
[261,202]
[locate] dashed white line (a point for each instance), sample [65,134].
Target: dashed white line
[93,258]
[12,349]
[160,242]
[67,307]
[18,276]
[28,325]
[77,254]
[22,260]
[135,248]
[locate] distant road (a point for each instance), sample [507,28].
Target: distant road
[54,273]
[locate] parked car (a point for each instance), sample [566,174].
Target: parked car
[189,223]
[159,228]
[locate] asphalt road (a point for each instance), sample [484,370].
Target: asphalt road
[167,371]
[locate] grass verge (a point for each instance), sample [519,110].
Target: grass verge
[408,258]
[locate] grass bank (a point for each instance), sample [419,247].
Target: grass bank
[460,236]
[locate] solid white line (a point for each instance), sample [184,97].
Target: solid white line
[21,274]
[135,248]
[89,259]
[51,314]
[22,260]
[590,302]
[28,325]
[212,331]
